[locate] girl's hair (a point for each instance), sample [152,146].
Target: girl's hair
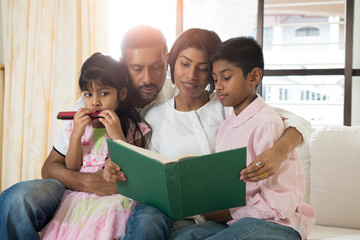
[106,71]
[200,39]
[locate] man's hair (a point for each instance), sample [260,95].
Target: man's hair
[142,36]
[244,52]
[201,39]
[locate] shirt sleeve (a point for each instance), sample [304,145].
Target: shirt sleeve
[275,197]
[292,120]
[62,141]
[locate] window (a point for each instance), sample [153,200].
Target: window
[307,32]
[308,69]
[308,37]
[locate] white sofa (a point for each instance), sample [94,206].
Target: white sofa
[331,161]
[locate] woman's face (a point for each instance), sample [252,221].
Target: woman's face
[191,72]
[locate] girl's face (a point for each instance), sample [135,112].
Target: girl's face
[191,72]
[98,97]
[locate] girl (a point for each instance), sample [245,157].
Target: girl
[84,215]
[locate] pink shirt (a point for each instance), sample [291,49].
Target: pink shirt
[279,197]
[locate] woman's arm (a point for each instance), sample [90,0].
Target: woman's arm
[297,132]
[271,159]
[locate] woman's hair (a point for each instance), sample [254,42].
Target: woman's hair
[106,71]
[200,39]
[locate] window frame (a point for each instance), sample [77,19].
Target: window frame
[348,71]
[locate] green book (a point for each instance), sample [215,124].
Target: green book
[181,187]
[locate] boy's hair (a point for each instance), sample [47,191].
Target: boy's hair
[143,36]
[200,39]
[244,52]
[106,71]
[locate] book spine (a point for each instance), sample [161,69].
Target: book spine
[172,179]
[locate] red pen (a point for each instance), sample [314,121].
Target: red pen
[69,115]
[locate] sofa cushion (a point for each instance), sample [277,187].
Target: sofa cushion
[335,176]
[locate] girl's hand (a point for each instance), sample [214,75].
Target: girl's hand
[112,173]
[263,166]
[112,124]
[81,119]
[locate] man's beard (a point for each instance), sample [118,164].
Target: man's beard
[146,96]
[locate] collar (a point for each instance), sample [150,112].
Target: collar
[253,108]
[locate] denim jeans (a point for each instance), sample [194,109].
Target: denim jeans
[245,229]
[146,223]
[26,207]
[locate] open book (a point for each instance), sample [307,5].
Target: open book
[181,187]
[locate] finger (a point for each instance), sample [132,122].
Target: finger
[252,168]
[258,176]
[112,165]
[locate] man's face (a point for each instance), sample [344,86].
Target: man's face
[147,68]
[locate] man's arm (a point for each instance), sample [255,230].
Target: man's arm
[54,167]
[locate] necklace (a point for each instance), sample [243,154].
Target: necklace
[181,107]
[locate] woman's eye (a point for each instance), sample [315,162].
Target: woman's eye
[227,78]
[87,94]
[203,69]
[104,94]
[184,64]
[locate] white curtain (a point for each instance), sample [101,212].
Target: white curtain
[45,43]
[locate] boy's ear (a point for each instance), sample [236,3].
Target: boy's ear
[122,94]
[255,76]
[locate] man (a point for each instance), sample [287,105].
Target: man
[26,207]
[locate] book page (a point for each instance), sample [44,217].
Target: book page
[154,155]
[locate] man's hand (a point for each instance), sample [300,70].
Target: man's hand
[54,167]
[95,183]
[112,172]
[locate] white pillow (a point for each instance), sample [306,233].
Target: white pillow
[335,176]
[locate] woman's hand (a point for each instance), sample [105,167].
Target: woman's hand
[112,124]
[81,119]
[112,173]
[263,166]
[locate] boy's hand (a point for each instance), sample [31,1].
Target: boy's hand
[112,124]
[81,119]
[112,173]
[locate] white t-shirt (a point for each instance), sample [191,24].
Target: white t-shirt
[175,133]
[169,91]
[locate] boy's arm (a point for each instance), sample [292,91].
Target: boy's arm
[297,132]
[54,167]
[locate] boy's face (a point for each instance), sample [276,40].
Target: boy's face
[232,88]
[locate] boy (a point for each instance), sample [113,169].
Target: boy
[274,209]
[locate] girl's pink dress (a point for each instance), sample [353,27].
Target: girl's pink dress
[83,215]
